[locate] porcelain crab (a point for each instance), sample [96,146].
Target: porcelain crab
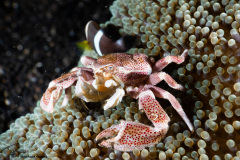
[112,77]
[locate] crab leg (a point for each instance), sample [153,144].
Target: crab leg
[54,91]
[162,63]
[115,99]
[152,108]
[161,93]
[155,78]
[131,135]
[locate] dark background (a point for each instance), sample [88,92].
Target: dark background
[37,44]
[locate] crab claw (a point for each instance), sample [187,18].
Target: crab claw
[130,135]
[49,98]
[55,88]
[54,91]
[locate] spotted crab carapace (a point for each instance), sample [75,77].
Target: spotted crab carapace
[112,77]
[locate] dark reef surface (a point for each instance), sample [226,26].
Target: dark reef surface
[37,44]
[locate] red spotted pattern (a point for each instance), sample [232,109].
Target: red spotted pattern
[53,93]
[153,110]
[134,71]
[132,135]
[136,67]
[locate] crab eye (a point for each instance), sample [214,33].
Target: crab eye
[110,68]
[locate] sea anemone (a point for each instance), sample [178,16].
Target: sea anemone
[211,76]
[210,30]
